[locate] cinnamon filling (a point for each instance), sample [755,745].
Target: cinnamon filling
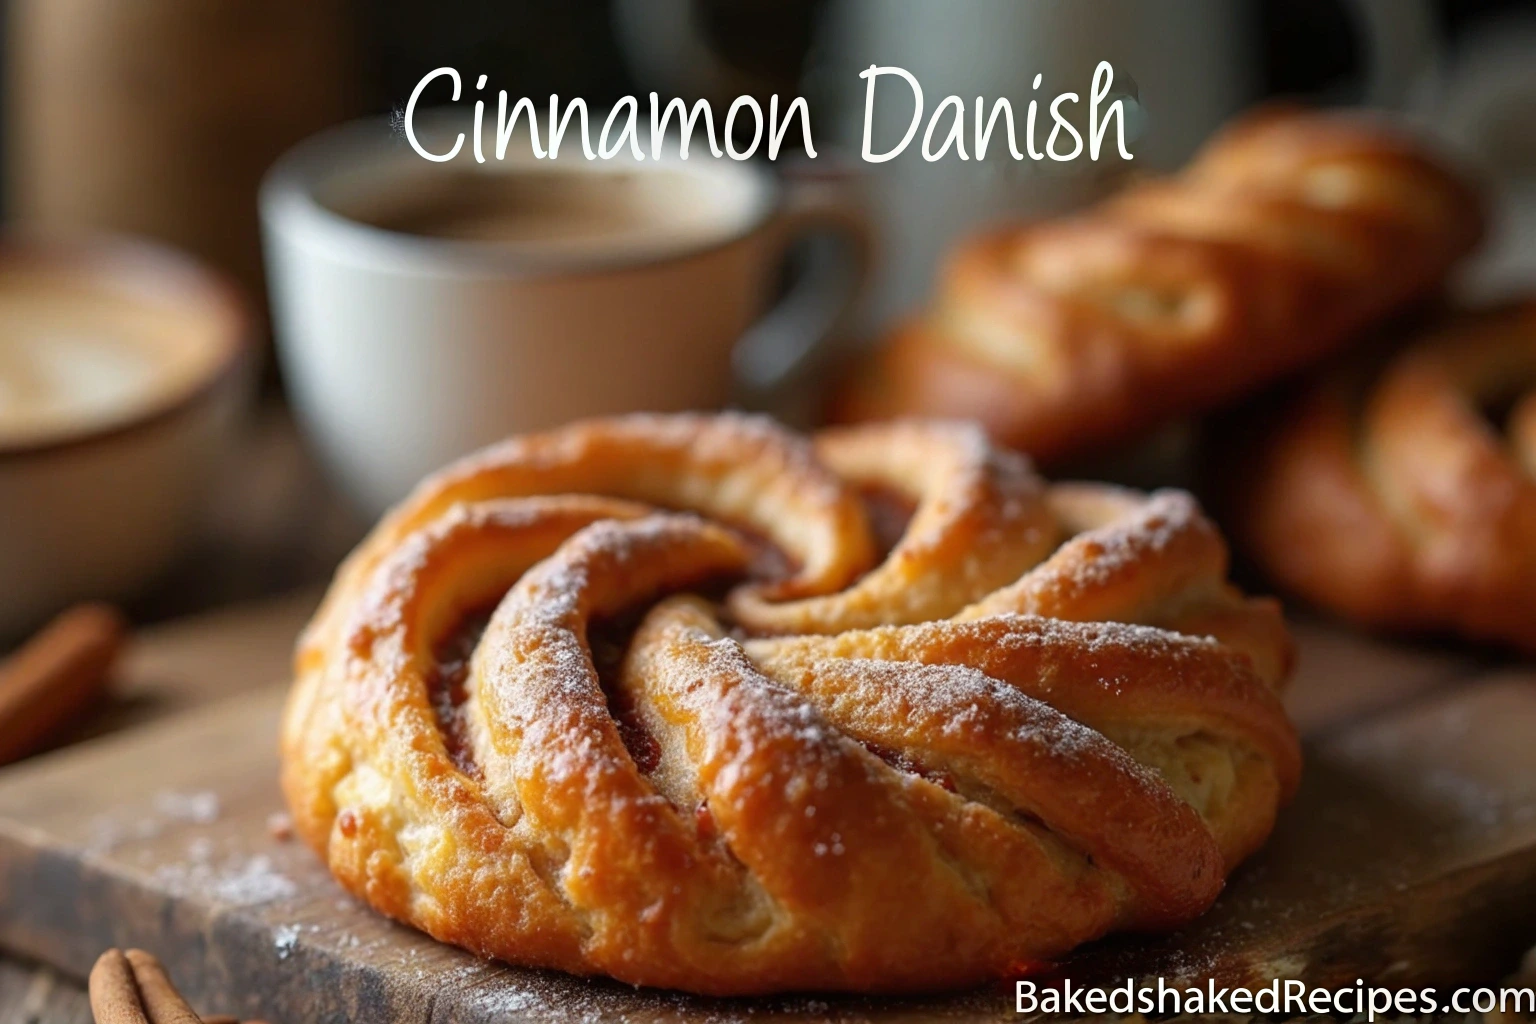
[889,511]
[644,749]
[609,639]
[447,690]
[769,561]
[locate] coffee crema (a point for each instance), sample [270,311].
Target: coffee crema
[78,354]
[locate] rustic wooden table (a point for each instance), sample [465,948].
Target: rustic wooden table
[37,995]
[170,668]
[275,528]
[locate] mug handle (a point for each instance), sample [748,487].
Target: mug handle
[796,334]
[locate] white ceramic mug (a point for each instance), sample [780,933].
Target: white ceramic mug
[403,350]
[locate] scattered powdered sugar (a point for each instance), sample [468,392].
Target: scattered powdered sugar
[107,832]
[285,937]
[200,850]
[495,992]
[1473,798]
[237,881]
[199,808]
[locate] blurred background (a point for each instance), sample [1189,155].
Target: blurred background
[155,121]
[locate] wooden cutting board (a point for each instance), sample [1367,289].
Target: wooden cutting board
[1409,856]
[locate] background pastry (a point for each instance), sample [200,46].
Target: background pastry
[1403,494]
[1041,715]
[1288,233]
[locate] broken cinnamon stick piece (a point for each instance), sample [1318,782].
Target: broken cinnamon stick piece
[132,988]
[56,677]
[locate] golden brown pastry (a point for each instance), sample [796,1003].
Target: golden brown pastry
[1404,495]
[715,737]
[1289,233]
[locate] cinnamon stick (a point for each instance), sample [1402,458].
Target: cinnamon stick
[132,988]
[56,677]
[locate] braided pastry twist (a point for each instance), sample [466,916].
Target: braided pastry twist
[745,747]
[1289,233]
[1404,495]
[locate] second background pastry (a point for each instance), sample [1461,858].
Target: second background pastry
[1289,234]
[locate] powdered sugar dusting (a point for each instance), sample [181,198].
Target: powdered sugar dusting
[285,937]
[1109,550]
[200,807]
[507,994]
[168,808]
[235,880]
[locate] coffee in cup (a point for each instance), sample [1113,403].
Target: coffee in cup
[423,310]
[599,212]
[79,354]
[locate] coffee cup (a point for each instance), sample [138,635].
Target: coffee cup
[425,309]
[123,369]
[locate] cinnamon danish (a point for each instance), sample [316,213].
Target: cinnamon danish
[1289,233]
[661,698]
[1403,495]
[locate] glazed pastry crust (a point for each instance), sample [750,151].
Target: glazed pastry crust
[815,764]
[1288,234]
[1388,495]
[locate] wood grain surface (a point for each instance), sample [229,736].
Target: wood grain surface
[169,669]
[1409,856]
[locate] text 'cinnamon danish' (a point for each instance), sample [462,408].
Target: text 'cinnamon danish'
[1404,496]
[713,735]
[1289,233]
